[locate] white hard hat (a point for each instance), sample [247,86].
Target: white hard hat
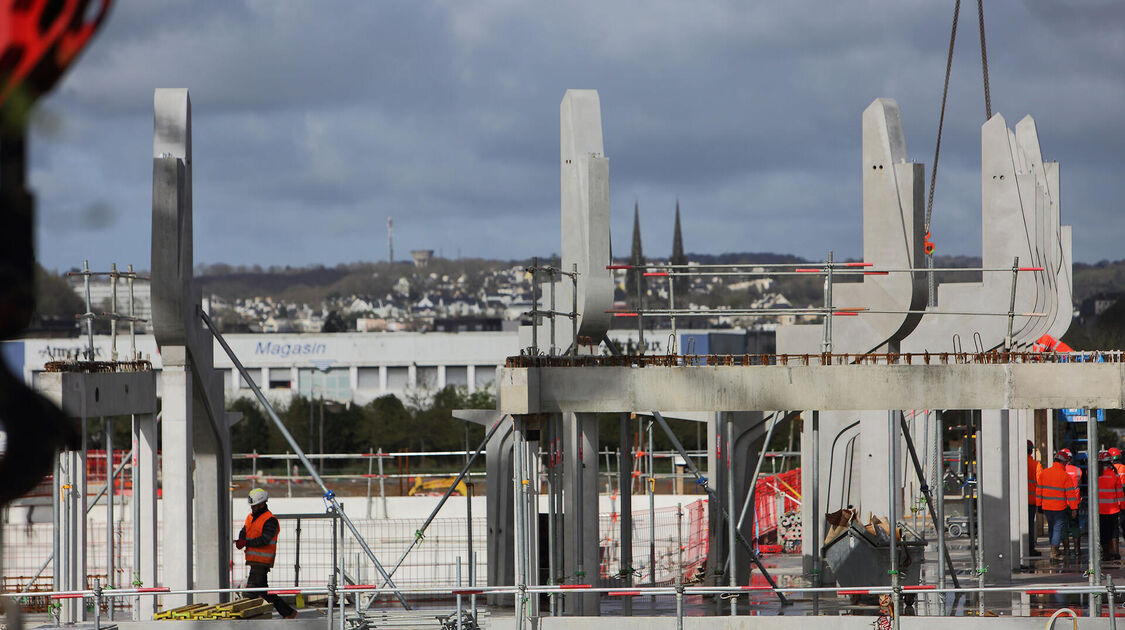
[257,496]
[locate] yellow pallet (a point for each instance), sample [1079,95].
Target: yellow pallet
[241,604]
[172,613]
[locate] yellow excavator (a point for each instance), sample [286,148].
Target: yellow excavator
[436,487]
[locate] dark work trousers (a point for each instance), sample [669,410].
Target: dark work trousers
[1032,531]
[258,579]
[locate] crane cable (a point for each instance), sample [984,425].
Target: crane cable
[929,245]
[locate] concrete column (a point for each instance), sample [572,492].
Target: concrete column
[212,527]
[580,504]
[440,376]
[872,465]
[996,495]
[178,489]
[471,376]
[382,378]
[500,508]
[1017,487]
[145,477]
[749,437]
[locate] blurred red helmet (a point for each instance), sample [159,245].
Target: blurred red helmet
[1114,452]
[1063,455]
[1103,456]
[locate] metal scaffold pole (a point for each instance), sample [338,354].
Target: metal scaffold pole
[329,496]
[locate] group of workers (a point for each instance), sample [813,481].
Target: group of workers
[1054,493]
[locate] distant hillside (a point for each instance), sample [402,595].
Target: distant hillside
[1103,277]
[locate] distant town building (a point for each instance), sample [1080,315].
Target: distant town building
[422,257]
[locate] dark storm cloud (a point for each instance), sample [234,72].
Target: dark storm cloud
[312,125]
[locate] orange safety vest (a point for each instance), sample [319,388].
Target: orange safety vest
[1120,468]
[1033,470]
[264,554]
[1075,474]
[1057,490]
[1110,496]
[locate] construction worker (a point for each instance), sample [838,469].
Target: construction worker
[1115,457]
[1074,471]
[1033,470]
[1111,500]
[1073,523]
[259,538]
[1057,499]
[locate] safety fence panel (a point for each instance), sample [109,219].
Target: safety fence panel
[432,562]
[774,496]
[671,535]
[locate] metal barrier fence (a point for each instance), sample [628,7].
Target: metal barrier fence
[432,563]
[673,535]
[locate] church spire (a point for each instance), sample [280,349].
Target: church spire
[678,258]
[636,259]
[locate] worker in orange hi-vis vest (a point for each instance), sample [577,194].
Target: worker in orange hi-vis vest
[1111,500]
[259,538]
[1115,458]
[1073,523]
[1033,470]
[1058,500]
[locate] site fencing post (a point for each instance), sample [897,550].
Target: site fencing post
[1111,599]
[97,604]
[370,456]
[107,424]
[297,555]
[473,583]
[382,484]
[1092,511]
[458,593]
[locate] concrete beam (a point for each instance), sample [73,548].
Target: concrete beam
[90,395]
[834,387]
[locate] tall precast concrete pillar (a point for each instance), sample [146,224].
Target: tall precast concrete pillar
[193,412]
[582,559]
[145,476]
[177,467]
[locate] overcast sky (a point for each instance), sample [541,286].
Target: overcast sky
[315,121]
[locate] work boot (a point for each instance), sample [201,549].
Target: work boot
[1056,553]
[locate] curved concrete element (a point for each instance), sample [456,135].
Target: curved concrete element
[893,214]
[1019,219]
[584,188]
